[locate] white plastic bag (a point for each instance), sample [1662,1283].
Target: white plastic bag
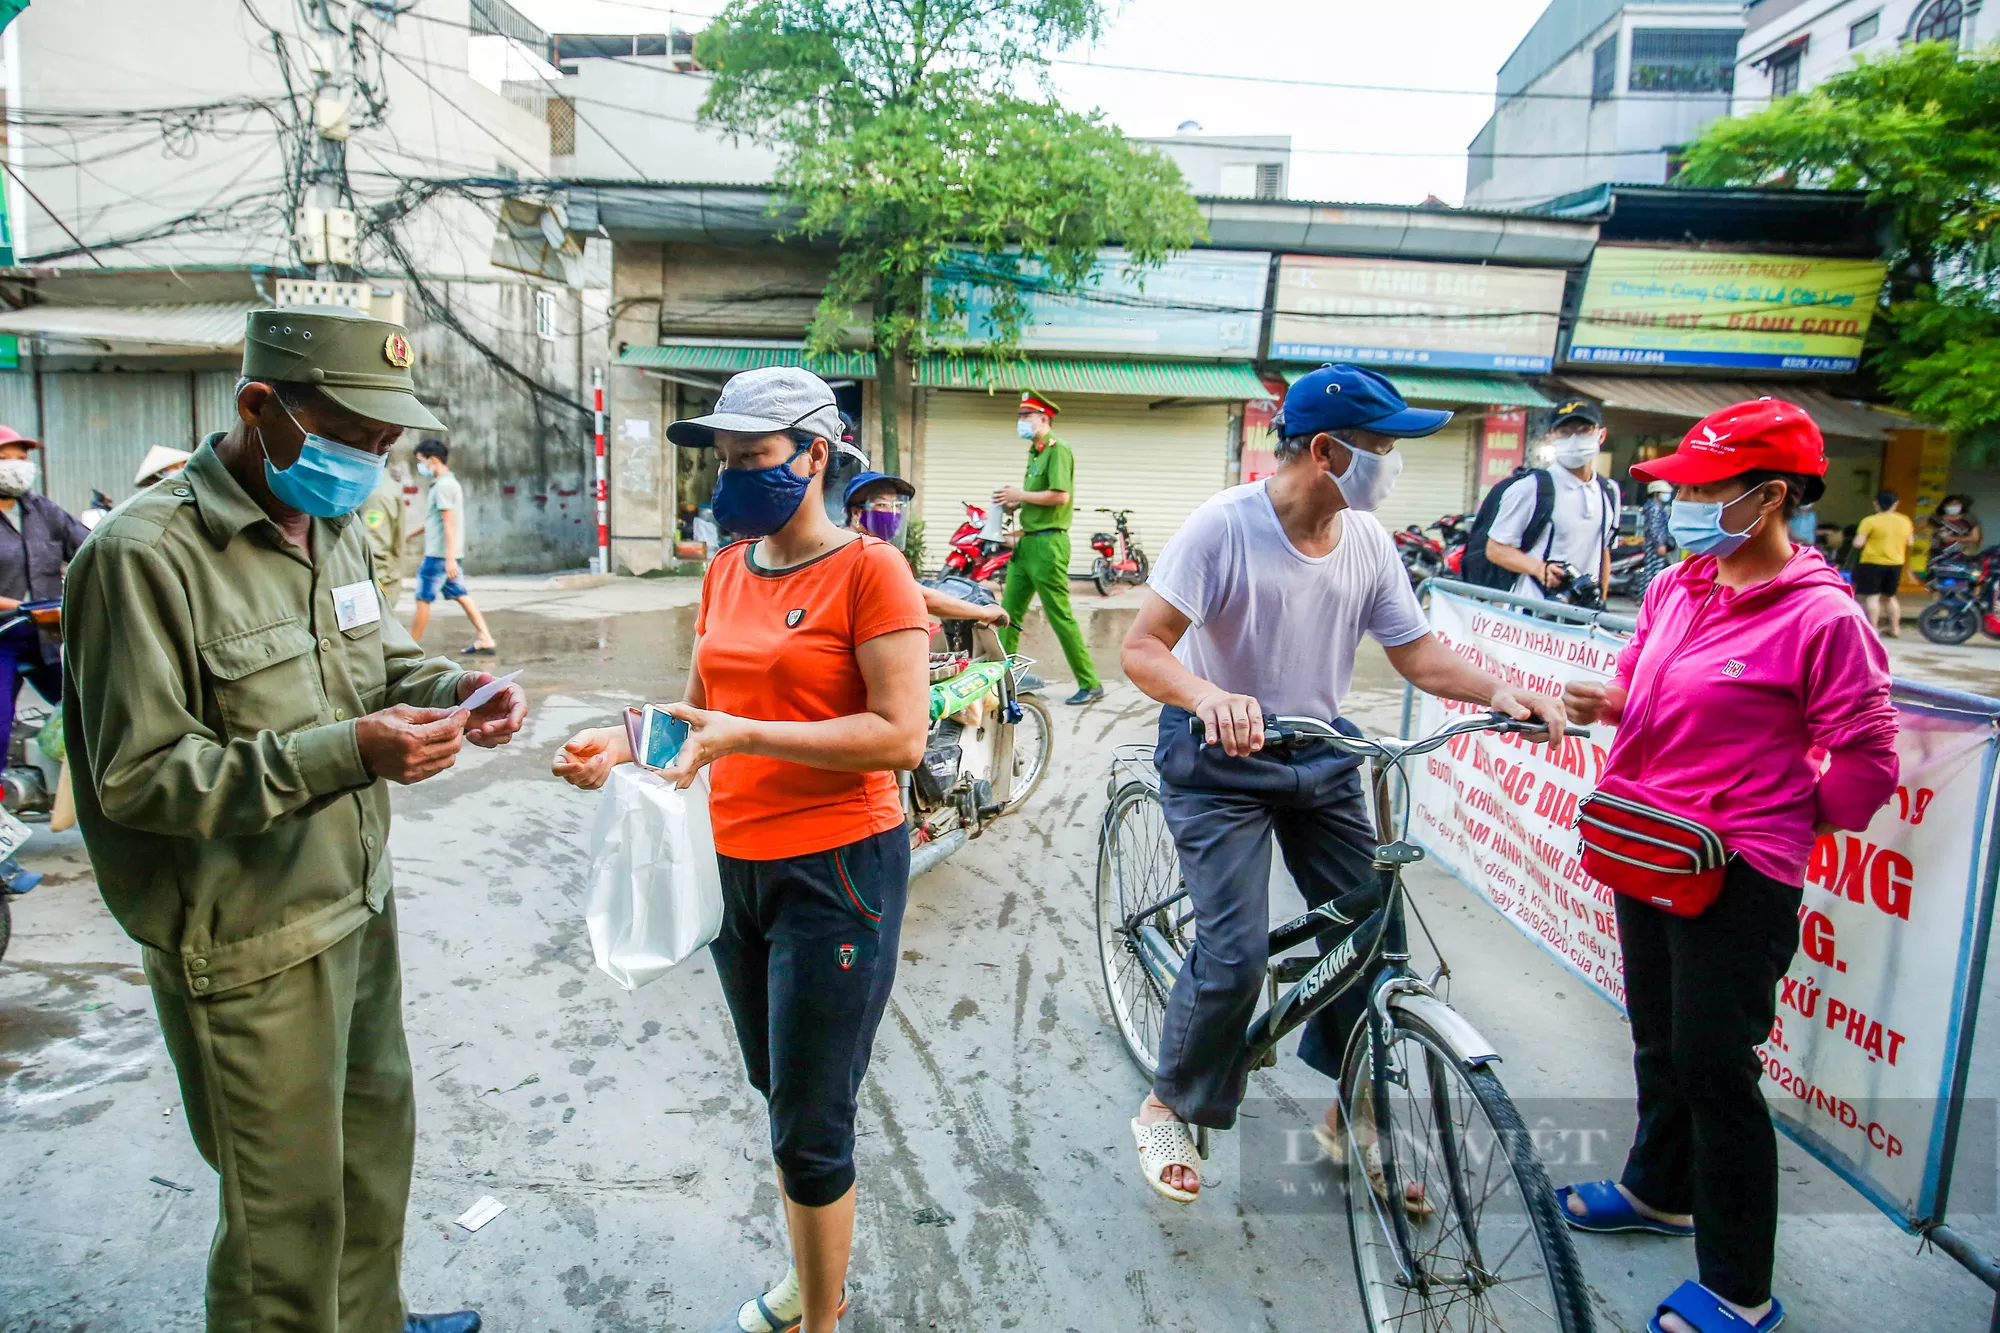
[655,890]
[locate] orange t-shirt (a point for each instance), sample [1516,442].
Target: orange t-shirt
[778,646]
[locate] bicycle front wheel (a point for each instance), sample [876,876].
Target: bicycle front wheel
[1491,1253]
[1139,881]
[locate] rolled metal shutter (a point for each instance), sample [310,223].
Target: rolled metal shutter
[1160,463]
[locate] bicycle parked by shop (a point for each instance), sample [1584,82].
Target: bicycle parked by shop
[1120,558]
[1419,1094]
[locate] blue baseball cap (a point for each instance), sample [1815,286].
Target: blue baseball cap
[863,480]
[1339,397]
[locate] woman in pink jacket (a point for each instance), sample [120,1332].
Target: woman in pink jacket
[1753,700]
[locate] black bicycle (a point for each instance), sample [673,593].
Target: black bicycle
[1478,1243]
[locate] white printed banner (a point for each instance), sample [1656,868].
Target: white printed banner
[1861,1058]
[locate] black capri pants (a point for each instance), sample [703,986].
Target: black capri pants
[807,954]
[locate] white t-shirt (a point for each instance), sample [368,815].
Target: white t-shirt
[1581,525]
[446,493]
[1271,622]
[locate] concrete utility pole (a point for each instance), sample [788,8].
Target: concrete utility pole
[326,226]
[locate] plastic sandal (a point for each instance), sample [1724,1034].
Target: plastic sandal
[1606,1209]
[779,1310]
[1162,1144]
[1705,1312]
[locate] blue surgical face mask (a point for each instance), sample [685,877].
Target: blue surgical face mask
[756,502]
[1024,428]
[1697,526]
[328,479]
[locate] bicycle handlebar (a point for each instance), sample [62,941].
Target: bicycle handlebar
[1291,730]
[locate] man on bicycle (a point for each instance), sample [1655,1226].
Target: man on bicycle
[1257,606]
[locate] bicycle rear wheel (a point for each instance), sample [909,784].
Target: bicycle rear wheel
[1494,1255]
[1138,869]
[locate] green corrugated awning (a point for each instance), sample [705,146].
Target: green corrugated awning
[728,358]
[1452,386]
[1227,380]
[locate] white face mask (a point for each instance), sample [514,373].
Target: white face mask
[17,477]
[426,470]
[1576,450]
[1369,477]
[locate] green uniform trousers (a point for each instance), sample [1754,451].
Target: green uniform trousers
[1041,565]
[298,1093]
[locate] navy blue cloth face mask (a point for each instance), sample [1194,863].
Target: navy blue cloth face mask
[756,502]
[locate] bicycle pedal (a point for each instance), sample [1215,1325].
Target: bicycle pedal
[1289,970]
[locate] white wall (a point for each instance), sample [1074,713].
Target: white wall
[1220,164]
[635,120]
[1624,138]
[117,181]
[1827,25]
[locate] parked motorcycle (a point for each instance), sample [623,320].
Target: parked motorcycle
[989,744]
[1431,557]
[1628,569]
[979,550]
[1120,559]
[1964,591]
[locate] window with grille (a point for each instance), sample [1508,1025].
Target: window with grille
[561,112]
[1683,60]
[1864,30]
[1604,69]
[1270,180]
[1785,74]
[1940,22]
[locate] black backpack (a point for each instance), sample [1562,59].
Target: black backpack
[1475,568]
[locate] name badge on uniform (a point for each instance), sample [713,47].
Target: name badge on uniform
[356,604]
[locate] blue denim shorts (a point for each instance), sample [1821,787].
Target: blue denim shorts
[431,581]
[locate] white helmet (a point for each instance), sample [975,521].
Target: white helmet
[1662,489]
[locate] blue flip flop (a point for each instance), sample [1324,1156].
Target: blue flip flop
[1706,1313]
[1606,1209]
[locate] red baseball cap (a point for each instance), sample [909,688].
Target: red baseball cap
[1764,433]
[8,435]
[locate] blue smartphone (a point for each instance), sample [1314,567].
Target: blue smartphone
[661,736]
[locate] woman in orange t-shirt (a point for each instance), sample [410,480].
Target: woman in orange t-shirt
[810,687]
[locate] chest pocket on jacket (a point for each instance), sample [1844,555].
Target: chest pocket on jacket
[266,679]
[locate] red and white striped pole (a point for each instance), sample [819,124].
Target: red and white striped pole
[603,495]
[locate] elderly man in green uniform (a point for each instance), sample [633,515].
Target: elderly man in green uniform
[237,699]
[1041,558]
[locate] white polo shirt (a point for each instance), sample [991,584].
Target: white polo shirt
[1581,526]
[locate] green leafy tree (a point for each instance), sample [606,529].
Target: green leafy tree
[1920,132]
[922,137]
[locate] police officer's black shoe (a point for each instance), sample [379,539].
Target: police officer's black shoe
[459,1321]
[1089,696]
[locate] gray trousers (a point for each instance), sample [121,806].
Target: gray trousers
[1223,813]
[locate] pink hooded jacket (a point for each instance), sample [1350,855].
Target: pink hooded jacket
[1736,698]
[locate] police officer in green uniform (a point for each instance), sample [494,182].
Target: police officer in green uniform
[237,698]
[382,521]
[1041,558]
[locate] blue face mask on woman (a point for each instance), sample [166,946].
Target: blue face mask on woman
[328,478]
[1697,526]
[756,502]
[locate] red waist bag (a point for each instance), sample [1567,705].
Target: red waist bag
[1645,853]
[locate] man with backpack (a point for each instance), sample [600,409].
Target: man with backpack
[1544,528]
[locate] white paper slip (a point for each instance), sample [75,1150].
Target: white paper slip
[356,604]
[486,692]
[481,1213]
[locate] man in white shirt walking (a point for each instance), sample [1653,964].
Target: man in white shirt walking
[1257,606]
[444,548]
[1551,531]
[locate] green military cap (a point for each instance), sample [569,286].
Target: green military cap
[360,363]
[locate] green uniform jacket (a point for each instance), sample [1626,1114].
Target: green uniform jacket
[1052,468]
[210,720]
[382,519]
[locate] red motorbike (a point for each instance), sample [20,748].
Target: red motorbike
[1428,557]
[1119,557]
[977,550]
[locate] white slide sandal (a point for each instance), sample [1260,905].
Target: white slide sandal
[1162,1144]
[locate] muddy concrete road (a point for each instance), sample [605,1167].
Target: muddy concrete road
[998,1177]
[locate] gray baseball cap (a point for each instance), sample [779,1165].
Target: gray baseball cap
[758,402]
